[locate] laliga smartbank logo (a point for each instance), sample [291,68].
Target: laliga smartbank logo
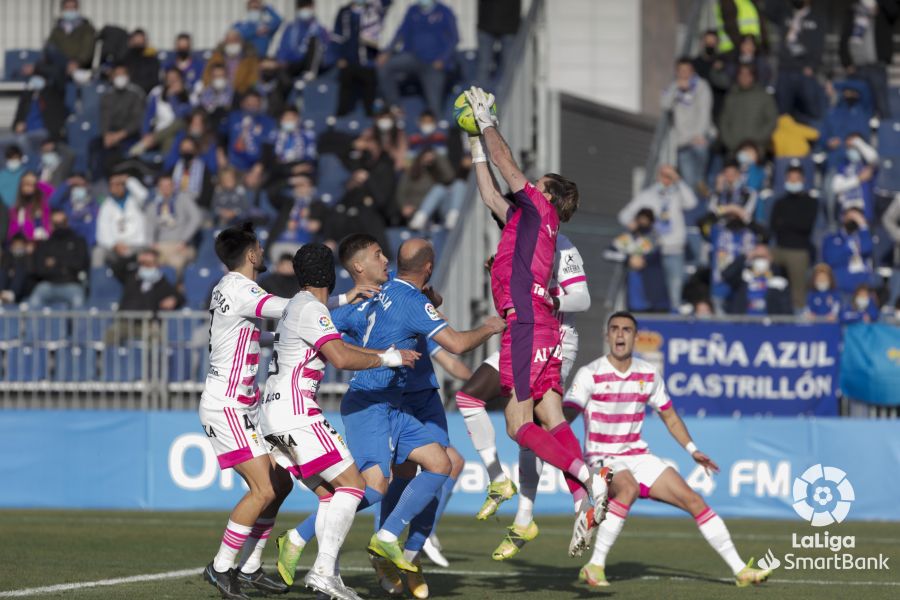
[822,497]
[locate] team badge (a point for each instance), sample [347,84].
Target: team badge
[432,312]
[641,383]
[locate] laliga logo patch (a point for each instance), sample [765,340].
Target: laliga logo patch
[325,323]
[822,495]
[432,312]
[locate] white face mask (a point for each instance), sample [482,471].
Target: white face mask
[861,302]
[13,164]
[78,195]
[822,285]
[81,76]
[384,124]
[219,83]
[36,82]
[289,125]
[120,82]
[254,14]
[50,160]
[428,128]
[305,14]
[233,49]
[760,265]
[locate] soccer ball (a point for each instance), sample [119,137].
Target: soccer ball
[464,116]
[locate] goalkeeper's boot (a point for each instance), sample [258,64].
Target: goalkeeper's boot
[498,493]
[262,581]
[600,493]
[748,575]
[387,575]
[582,529]
[516,537]
[226,583]
[391,551]
[593,575]
[288,557]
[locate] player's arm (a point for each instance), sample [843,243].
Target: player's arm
[679,431]
[344,356]
[452,365]
[487,185]
[497,148]
[254,302]
[578,394]
[574,293]
[459,342]
[355,294]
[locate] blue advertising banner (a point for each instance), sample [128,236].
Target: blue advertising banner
[163,461]
[715,368]
[870,363]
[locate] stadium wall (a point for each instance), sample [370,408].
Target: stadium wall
[163,461]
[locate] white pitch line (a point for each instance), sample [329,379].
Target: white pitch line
[67,587]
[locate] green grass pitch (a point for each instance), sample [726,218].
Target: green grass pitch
[654,558]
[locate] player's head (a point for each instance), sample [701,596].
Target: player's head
[415,260]
[238,246]
[562,193]
[621,329]
[361,255]
[314,267]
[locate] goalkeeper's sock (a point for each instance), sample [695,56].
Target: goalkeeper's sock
[713,529]
[551,451]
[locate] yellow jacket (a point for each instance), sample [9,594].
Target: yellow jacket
[790,138]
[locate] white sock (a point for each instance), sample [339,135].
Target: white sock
[232,540]
[341,512]
[530,467]
[410,555]
[321,515]
[608,531]
[386,536]
[713,529]
[255,544]
[481,430]
[295,538]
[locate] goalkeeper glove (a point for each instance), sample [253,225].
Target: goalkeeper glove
[481,103]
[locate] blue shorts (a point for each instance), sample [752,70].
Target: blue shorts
[378,432]
[426,406]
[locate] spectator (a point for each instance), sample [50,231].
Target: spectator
[793,218]
[200,132]
[851,112]
[753,174]
[294,227]
[273,87]
[11,173]
[800,53]
[428,136]
[392,138]
[498,24]
[792,139]
[172,220]
[283,282]
[423,47]
[863,308]
[142,62]
[230,201]
[291,152]
[30,214]
[41,110]
[891,221]
[702,309]
[216,93]
[749,113]
[191,173]
[240,61]
[848,251]
[356,31]
[73,36]
[712,66]
[248,130]
[637,248]
[144,287]
[867,46]
[303,43]
[735,19]
[823,300]
[56,163]
[60,265]
[427,178]
[121,226]
[732,237]
[16,269]
[259,26]
[183,60]
[121,117]
[81,208]
[668,200]
[731,191]
[853,183]
[759,288]
[168,107]
[748,53]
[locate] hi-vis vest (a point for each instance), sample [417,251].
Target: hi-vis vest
[747,21]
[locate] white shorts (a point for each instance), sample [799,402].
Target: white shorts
[569,344]
[312,452]
[233,431]
[646,468]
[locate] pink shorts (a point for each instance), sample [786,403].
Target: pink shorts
[530,359]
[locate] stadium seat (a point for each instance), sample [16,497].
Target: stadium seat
[198,282]
[90,328]
[10,327]
[170,273]
[17,58]
[80,134]
[412,107]
[181,363]
[179,330]
[344,282]
[889,138]
[396,236]
[888,182]
[74,363]
[123,363]
[46,328]
[467,61]
[780,172]
[320,99]
[894,100]
[26,363]
[105,289]
[438,237]
[333,177]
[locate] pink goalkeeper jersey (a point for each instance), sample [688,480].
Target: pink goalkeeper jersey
[613,405]
[523,265]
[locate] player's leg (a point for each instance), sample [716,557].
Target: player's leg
[623,491]
[349,488]
[292,542]
[549,411]
[523,529]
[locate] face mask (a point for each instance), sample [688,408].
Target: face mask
[853,155]
[850,100]
[861,302]
[428,128]
[268,75]
[139,50]
[36,83]
[798,4]
[219,83]
[148,273]
[233,49]
[81,76]
[289,126]
[822,285]
[760,265]
[50,160]
[385,124]
[426,3]
[645,229]
[120,82]
[78,195]
[793,187]
[186,156]
[745,158]
[709,50]
[851,227]
[13,164]
[17,251]
[254,14]
[69,15]
[305,14]
[182,54]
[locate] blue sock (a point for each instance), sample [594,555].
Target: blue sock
[421,491]
[391,497]
[446,492]
[307,529]
[371,498]
[426,521]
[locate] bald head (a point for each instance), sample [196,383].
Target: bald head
[415,258]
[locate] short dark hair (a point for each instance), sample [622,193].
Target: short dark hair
[353,243]
[647,213]
[427,113]
[285,256]
[684,60]
[563,194]
[184,35]
[304,3]
[624,314]
[794,169]
[232,243]
[13,151]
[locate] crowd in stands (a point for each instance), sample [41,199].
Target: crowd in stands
[128,164]
[784,196]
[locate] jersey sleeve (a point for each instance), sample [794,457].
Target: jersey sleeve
[350,320]
[432,347]
[571,266]
[251,301]
[315,326]
[423,317]
[659,397]
[579,393]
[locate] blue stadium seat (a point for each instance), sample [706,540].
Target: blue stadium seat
[170,273]
[74,363]
[333,178]
[888,182]
[320,98]
[179,330]
[889,138]
[105,289]
[438,239]
[46,328]
[344,282]
[894,100]
[468,67]
[17,58]
[780,171]
[198,281]
[412,107]
[26,363]
[396,236]
[81,134]
[123,363]
[91,328]
[10,326]
[181,361]
[206,250]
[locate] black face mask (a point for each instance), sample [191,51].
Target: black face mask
[269,75]
[709,50]
[851,100]
[186,156]
[138,50]
[851,227]
[799,4]
[645,230]
[182,54]
[734,224]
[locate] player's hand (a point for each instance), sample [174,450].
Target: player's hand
[361,292]
[495,324]
[433,295]
[705,462]
[489,263]
[481,103]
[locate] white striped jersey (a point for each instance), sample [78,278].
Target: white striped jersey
[568,269]
[613,405]
[236,304]
[297,368]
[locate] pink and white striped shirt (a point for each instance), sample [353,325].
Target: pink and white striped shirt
[614,403]
[236,304]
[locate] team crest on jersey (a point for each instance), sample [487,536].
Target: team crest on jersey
[641,384]
[325,323]
[432,312]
